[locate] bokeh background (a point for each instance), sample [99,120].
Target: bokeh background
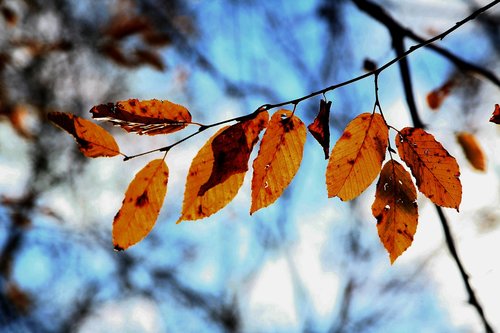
[305,264]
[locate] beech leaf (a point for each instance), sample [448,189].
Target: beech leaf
[149,117]
[472,150]
[395,208]
[435,170]
[218,170]
[279,158]
[141,205]
[320,127]
[92,139]
[357,157]
[495,117]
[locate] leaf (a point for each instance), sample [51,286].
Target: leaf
[279,158]
[436,97]
[92,139]
[472,150]
[395,208]
[435,170]
[357,157]
[320,128]
[141,205]
[149,117]
[218,170]
[495,117]
[149,57]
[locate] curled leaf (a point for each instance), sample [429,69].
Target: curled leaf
[435,170]
[149,117]
[218,170]
[141,205]
[92,139]
[279,158]
[472,150]
[357,157]
[495,117]
[395,208]
[320,128]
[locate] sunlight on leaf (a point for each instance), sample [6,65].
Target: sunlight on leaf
[472,150]
[218,170]
[141,205]
[357,157]
[395,208]
[320,128]
[149,117]
[435,170]
[92,139]
[279,158]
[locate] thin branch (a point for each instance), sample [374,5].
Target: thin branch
[379,14]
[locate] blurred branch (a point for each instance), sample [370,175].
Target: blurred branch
[397,34]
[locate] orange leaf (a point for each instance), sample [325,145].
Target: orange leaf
[149,117]
[279,158]
[141,205]
[395,209]
[495,117]
[320,128]
[218,170]
[472,150]
[357,156]
[435,170]
[92,139]
[436,97]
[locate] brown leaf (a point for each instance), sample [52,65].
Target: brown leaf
[150,58]
[436,97]
[320,128]
[149,117]
[92,139]
[141,205]
[218,170]
[121,27]
[279,158]
[115,53]
[472,150]
[395,208]
[435,170]
[9,15]
[357,157]
[495,117]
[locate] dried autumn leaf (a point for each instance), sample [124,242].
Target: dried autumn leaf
[279,158]
[436,97]
[472,150]
[435,170]
[92,139]
[150,58]
[218,170]
[149,117]
[395,209]
[320,128]
[141,205]
[495,117]
[357,157]
[120,27]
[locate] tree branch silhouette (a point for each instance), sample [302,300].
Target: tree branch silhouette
[398,34]
[395,29]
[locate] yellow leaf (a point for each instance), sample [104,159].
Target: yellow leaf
[395,209]
[149,117]
[141,205]
[92,139]
[357,157]
[278,160]
[218,170]
[435,170]
[472,150]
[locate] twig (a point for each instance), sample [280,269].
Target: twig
[398,44]
[378,13]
